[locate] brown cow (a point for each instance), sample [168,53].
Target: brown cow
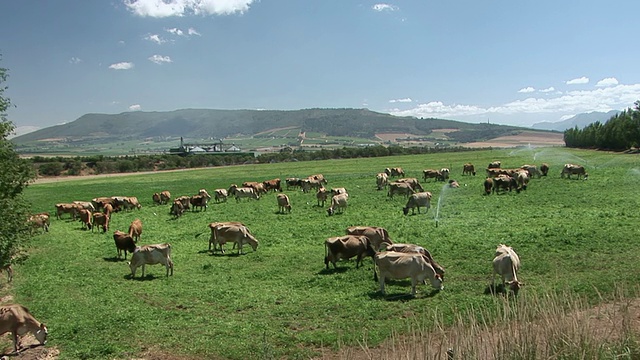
[239,234]
[468,169]
[283,203]
[346,247]
[135,229]
[488,186]
[494,165]
[100,219]
[156,198]
[418,200]
[220,195]
[63,208]
[400,188]
[571,169]
[272,185]
[413,182]
[544,169]
[321,196]
[376,235]
[39,221]
[124,242]
[431,174]
[17,320]
[86,217]
[382,180]
[177,209]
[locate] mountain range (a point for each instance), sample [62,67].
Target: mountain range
[580,120]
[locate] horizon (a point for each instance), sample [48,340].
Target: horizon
[510,64]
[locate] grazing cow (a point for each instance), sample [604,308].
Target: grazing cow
[165,197]
[318,177]
[108,209]
[86,217]
[488,186]
[400,188]
[128,202]
[376,235]
[532,170]
[382,180]
[397,171]
[156,198]
[39,221]
[100,202]
[411,248]
[17,320]
[63,208]
[135,229]
[257,187]
[308,184]
[444,174]
[293,183]
[413,182]
[522,179]
[243,192]
[198,201]
[544,169]
[468,169]
[214,225]
[418,200]
[431,174]
[85,205]
[124,242]
[340,190]
[494,165]
[151,255]
[222,233]
[321,196]
[185,201]
[272,185]
[570,169]
[177,209]
[346,247]
[504,182]
[505,264]
[100,219]
[283,203]
[453,184]
[338,202]
[397,265]
[221,195]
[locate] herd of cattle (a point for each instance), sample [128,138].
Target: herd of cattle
[392,260]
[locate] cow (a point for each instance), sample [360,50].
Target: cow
[397,265]
[86,217]
[382,180]
[107,209]
[185,201]
[453,184]
[100,219]
[214,225]
[346,247]
[570,169]
[165,196]
[100,202]
[85,205]
[340,190]
[413,182]
[124,242]
[198,201]
[376,235]
[505,264]
[156,198]
[243,192]
[444,174]
[17,320]
[292,183]
[177,209]
[283,203]
[63,208]
[258,187]
[321,196]
[504,182]
[131,202]
[488,186]
[338,202]
[272,185]
[308,184]
[494,165]
[151,255]
[544,169]
[220,195]
[318,177]
[397,171]
[39,221]
[418,200]
[431,174]
[400,188]
[238,234]
[411,248]
[522,179]
[135,229]
[532,170]
[468,169]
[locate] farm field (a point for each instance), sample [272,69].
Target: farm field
[280,301]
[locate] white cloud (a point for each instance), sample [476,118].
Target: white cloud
[384,7]
[580,80]
[135,107]
[165,8]
[405,100]
[121,66]
[193,31]
[547,90]
[155,38]
[175,31]
[607,82]
[75,60]
[159,59]
[572,102]
[528,89]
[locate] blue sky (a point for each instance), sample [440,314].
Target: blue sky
[509,62]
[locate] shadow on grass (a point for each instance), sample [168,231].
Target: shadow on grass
[332,271]
[142,278]
[114,259]
[493,289]
[402,296]
[8,352]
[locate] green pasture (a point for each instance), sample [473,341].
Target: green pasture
[280,302]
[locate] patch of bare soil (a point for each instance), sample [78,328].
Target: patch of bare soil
[526,138]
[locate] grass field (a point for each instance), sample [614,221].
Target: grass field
[280,302]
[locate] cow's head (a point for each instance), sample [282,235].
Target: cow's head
[515,286]
[41,334]
[405,210]
[436,282]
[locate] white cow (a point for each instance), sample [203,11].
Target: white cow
[505,264]
[397,265]
[151,255]
[338,202]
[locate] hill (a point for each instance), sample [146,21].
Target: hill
[580,120]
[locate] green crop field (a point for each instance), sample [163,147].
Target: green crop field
[280,301]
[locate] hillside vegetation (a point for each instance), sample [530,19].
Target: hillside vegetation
[279,301]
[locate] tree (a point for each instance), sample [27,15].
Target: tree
[15,176]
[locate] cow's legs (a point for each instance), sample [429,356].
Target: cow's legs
[381,277]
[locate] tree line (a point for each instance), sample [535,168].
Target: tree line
[620,132]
